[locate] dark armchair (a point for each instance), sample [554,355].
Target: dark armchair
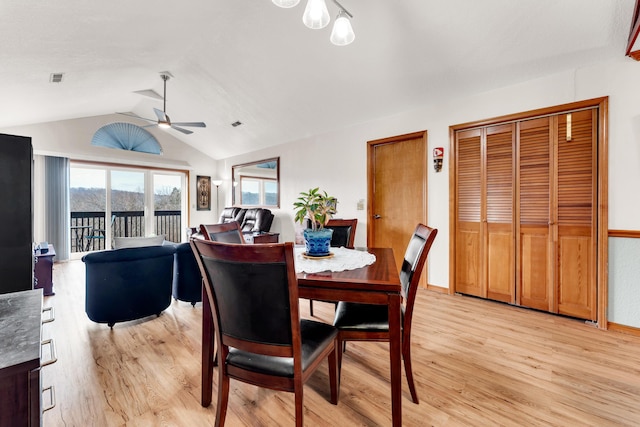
[256,220]
[187,281]
[229,214]
[128,284]
[253,294]
[251,220]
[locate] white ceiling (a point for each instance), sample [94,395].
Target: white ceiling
[251,61]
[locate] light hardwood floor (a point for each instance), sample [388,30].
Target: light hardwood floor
[476,363]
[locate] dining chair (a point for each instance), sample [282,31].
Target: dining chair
[344,234]
[228,232]
[369,322]
[253,294]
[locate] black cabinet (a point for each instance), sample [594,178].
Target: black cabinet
[16,213]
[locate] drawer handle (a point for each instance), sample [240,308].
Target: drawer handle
[52,315]
[52,398]
[54,358]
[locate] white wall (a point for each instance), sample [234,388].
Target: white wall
[336,161]
[72,138]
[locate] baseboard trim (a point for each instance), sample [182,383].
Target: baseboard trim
[437,289]
[630,330]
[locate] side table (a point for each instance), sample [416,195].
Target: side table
[262,238]
[43,270]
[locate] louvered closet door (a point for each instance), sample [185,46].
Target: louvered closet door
[499,213]
[576,215]
[468,246]
[534,279]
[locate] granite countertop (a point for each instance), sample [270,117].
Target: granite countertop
[20,328]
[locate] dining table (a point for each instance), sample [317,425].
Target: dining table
[375,283]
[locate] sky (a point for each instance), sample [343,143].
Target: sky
[120,180]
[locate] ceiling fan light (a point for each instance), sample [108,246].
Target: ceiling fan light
[342,33]
[286,3]
[164,125]
[316,15]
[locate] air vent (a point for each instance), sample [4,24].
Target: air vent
[236,124]
[56,77]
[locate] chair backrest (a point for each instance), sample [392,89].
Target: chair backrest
[256,219]
[229,214]
[412,265]
[253,293]
[228,232]
[344,232]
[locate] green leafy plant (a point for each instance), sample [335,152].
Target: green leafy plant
[317,206]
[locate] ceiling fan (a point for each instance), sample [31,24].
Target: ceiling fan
[163,120]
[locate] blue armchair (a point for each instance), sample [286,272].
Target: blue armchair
[128,284]
[187,281]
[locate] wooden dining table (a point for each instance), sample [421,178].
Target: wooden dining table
[378,283]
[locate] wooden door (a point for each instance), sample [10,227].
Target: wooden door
[469,247]
[484,244]
[534,279]
[498,212]
[397,181]
[576,184]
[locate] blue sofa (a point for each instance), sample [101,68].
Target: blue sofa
[187,280]
[129,283]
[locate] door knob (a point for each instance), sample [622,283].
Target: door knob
[377,216]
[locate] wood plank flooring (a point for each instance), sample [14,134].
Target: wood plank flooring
[476,363]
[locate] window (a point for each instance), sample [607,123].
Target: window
[136,202]
[258,191]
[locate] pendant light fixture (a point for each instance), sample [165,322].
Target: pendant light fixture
[342,32]
[286,3]
[316,16]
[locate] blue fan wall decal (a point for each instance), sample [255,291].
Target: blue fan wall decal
[126,136]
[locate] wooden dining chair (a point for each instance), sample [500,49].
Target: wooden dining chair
[228,232]
[253,294]
[369,322]
[344,235]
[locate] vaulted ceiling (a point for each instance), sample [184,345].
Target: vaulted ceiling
[256,63]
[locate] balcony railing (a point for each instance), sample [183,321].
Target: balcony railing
[88,228]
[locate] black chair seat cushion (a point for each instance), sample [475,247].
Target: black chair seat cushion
[365,317]
[316,336]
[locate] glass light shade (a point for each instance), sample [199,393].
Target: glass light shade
[217,182]
[286,3]
[316,15]
[342,33]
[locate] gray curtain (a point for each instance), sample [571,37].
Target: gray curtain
[58,216]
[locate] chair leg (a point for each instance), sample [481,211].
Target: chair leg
[334,378]
[406,356]
[311,307]
[223,398]
[299,405]
[339,344]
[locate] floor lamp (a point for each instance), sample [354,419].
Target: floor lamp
[217,183]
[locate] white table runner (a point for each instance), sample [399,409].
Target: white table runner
[343,259]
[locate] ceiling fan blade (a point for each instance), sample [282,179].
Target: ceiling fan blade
[161,115]
[150,126]
[190,124]
[185,131]
[136,116]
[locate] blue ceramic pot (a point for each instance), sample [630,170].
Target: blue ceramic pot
[317,242]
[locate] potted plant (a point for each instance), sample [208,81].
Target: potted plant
[316,207]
